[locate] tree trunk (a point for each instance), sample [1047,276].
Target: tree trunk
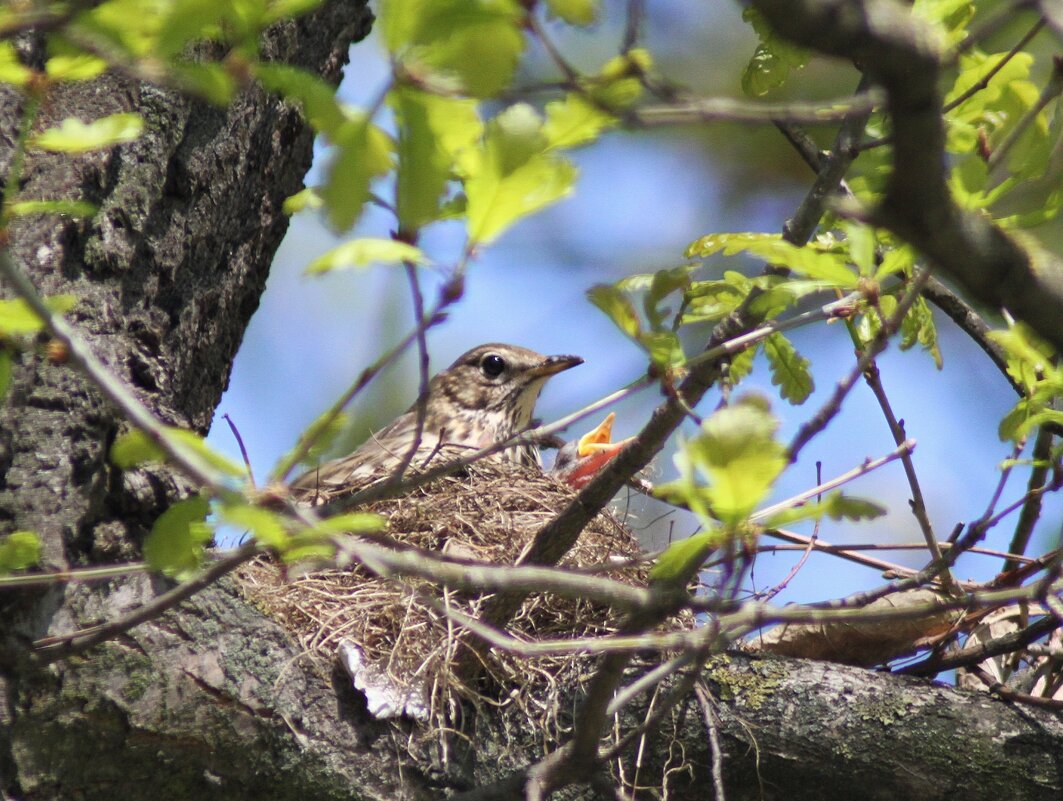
[213,699]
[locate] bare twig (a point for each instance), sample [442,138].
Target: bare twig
[49,649]
[712,729]
[878,344]
[1031,509]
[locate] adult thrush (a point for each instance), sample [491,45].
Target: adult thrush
[483,398]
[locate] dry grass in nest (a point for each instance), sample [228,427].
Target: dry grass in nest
[489,513]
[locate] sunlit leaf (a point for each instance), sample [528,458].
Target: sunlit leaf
[74,136]
[136,447]
[617,306]
[316,97]
[681,560]
[68,208]
[575,120]
[773,60]
[17,318]
[350,523]
[176,543]
[772,248]
[12,70]
[835,505]
[918,328]
[278,9]
[512,177]
[363,152]
[789,369]
[19,550]
[265,526]
[738,456]
[363,252]
[133,448]
[574,12]
[433,134]
[305,199]
[74,67]
[476,42]
[210,80]
[5,371]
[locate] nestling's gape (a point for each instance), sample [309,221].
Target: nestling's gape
[485,397]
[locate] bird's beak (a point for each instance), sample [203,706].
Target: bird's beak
[552,365]
[595,450]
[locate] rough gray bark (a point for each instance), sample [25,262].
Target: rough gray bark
[212,700]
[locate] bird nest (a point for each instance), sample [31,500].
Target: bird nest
[489,513]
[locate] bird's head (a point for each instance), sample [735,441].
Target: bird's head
[499,379]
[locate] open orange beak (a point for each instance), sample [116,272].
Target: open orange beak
[594,450]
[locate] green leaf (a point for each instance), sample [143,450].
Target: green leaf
[575,121]
[176,543]
[682,559]
[664,348]
[279,9]
[574,12]
[363,252]
[267,527]
[74,66]
[68,208]
[789,369]
[617,306]
[741,365]
[210,80]
[737,454]
[136,447]
[836,506]
[316,97]
[512,177]
[712,300]
[896,261]
[19,550]
[74,136]
[133,448]
[918,328]
[433,135]
[17,318]
[476,42]
[363,152]
[828,267]
[199,446]
[12,70]
[5,371]
[350,523]
[773,60]
[308,199]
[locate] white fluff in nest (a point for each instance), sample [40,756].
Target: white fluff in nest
[385,697]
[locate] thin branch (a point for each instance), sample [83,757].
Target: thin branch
[712,729]
[972,324]
[50,649]
[878,344]
[873,379]
[725,109]
[903,449]
[1031,509]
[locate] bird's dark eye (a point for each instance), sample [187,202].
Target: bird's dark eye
[493,365]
